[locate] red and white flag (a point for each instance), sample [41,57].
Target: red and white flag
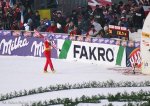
[146,9]
[93,3]
[22,19]
[38,34]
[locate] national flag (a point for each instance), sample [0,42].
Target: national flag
[22,19]
[37,34]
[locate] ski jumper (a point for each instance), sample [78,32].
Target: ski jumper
[47,53]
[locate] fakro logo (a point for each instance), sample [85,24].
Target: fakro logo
[96,53]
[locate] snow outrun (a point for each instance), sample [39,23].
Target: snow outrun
[19,73]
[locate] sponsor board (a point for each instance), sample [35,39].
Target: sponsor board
[81,38]
[133,56]
[5,33]
[90,52]
[23,46]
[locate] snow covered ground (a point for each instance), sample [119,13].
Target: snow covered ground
[19,73]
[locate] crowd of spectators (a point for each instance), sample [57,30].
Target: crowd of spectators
[10,14]
[82,20]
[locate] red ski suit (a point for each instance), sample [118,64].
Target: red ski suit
[47,53]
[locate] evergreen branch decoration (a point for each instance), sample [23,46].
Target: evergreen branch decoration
[137,97]
[67,86]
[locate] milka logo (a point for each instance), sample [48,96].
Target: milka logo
[6,32]
[11,45]
[58,36]
[95,39]
[38,49]
[112,41]
[65,36]
[101,40]
[106,40]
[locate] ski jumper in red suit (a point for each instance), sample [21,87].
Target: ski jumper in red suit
[47,53]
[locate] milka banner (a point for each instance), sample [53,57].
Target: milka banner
[5,33]
[23,46]
[17,33]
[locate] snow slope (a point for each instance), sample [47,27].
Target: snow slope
[19,73]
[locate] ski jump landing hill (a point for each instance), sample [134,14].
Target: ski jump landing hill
[90,50]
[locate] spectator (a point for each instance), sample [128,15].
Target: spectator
[84,25]
[97,26]
[130,15]
[42,26]
[105,32]
[123,22]
[26,26]
[71,26]
[92,32]
[99,16]
[74,17]
[75,31]
[36,19]
[67,24]
[52,28]
[59,29]
[15,26]
[60,19]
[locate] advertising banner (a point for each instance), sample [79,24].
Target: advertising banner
[23,46]
[133,56]
[91,52]
[17,33]
[5,33]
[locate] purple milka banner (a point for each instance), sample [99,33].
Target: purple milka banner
[67,37]
[5,33]
[23,46]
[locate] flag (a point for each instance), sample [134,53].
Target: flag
[22,19]
[11,3]
[7,4]
[93,3]
[37,34]
[146,9]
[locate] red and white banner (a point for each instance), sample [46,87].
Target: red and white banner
[93,3]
